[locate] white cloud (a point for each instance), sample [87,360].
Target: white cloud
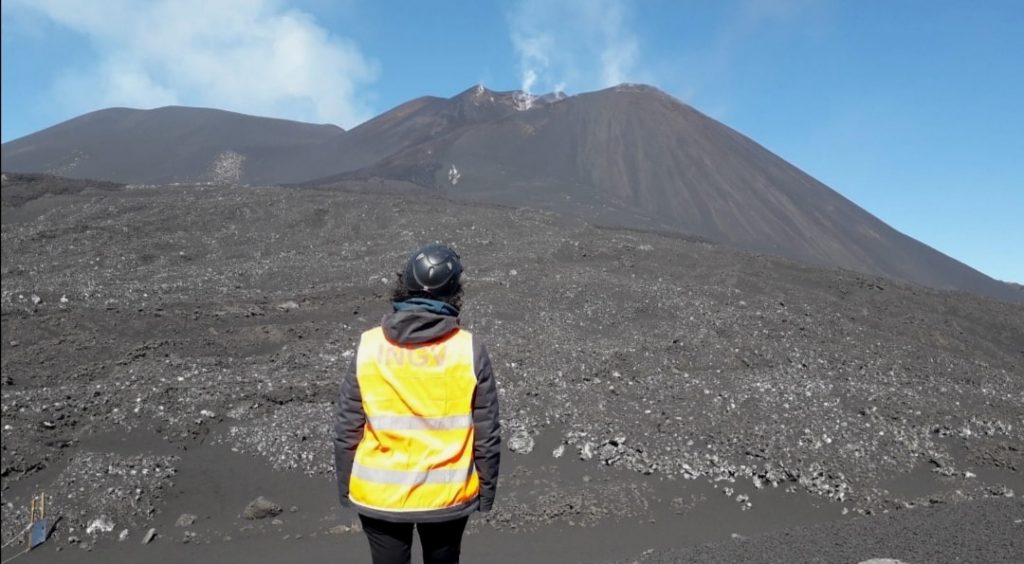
[577,44]
[251,56]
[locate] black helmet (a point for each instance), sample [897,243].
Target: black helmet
[434,269]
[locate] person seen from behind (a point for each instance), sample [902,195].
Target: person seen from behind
[417,438]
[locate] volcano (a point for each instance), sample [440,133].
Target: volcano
[629,156]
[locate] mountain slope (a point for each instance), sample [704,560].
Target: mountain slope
[179,144]
[164,145]
[629,155]
[408,125]
[635,156]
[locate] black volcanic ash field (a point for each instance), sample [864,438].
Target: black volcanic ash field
[197,320]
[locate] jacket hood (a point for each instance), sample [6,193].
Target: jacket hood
[413,326]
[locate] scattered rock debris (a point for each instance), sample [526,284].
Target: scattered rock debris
[685,361]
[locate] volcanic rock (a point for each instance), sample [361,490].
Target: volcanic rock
[185,520]
[261,508]
[101,524]
[521,442]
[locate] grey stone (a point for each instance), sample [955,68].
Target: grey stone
[521,442]
[101,524]
[261,508]
[185,520]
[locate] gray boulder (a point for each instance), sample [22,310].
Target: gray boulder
[261,508]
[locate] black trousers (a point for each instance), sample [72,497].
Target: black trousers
[391,543]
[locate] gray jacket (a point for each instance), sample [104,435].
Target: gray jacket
[412,327]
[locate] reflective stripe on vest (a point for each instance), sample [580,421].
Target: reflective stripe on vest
[411,477]
[417,448]
[417,423]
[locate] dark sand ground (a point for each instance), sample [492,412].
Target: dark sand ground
[213,483]
[176,350]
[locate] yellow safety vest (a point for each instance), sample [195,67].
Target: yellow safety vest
[417,448]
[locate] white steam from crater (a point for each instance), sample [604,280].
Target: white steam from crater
[529,79]
[578,44]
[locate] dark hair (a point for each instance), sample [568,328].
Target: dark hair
[400,293]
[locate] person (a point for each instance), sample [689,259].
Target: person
[417,436]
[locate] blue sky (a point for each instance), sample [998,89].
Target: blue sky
[911,109]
